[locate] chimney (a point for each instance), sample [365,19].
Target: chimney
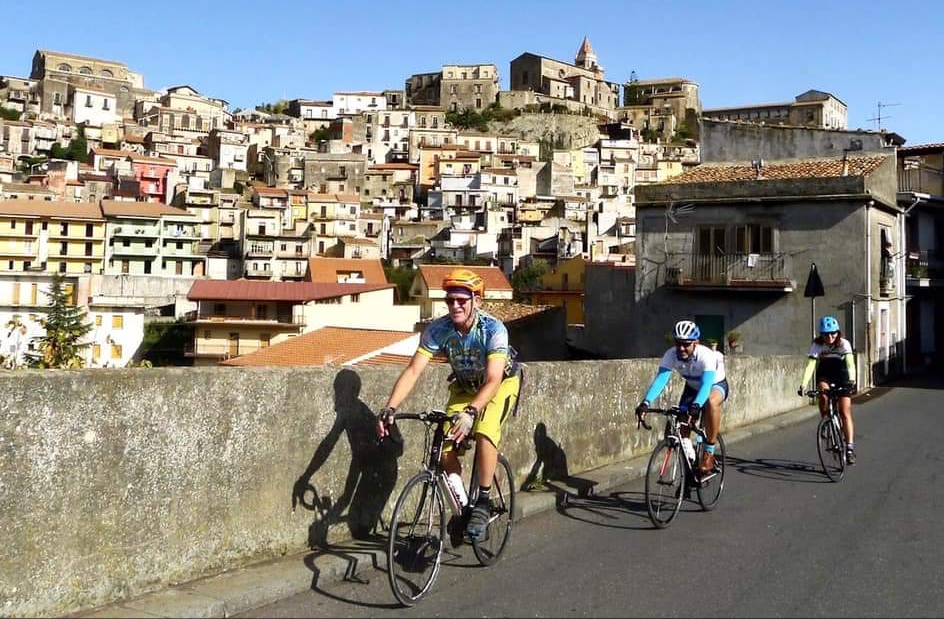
[845,164]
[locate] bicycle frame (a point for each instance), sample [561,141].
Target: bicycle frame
[664,488]
[676,421]
[418,523]
[830,439]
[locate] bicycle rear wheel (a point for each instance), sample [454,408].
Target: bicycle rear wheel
[665,481]
[831,448]
[417,534]
[502,499]
[711,486]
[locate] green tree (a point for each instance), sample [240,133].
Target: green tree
[78,146]
[9,114]
[527,278]
[320,134]
[58,152]
[65,327]
[403,278]
[279,107]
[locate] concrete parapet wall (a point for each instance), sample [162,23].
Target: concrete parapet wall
[117,482]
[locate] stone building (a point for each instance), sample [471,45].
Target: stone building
[813,108]
[455,87]
[581,81]
[59,73]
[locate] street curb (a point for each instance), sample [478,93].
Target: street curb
[240,590]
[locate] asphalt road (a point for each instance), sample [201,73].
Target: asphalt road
[783,542]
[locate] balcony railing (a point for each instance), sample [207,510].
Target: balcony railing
[927,264]
[739,270]
[923,179]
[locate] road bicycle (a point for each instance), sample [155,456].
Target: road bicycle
[418,526]
[671,474]
[830,442]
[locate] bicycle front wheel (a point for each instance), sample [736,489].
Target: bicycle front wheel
[665,481]
[831,448]
[502,515]
[711,485]
[417,534]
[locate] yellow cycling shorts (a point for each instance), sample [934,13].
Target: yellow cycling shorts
[489,422]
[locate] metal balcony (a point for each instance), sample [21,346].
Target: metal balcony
[767,272]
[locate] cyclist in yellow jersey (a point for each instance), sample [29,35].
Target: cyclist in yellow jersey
[485,389]
[832,360]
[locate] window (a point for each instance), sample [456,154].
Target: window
[64,248]
[753,239]
[64,229]
[88,249]
[106,73]
[711,240]
[117,321]
[147,267]
[206,334]
[57,98]
[105,104]
[64,67]
[264,339]
[88,100]
[62,267]
[219,309]
[96,352]
[116,351]
[478,103]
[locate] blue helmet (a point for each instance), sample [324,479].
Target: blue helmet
[686,330]
[828,324]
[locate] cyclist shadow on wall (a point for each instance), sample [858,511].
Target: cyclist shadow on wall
[370,479]
[550,466]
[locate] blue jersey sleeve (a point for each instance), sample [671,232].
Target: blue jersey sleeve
[707,380]
[658,384]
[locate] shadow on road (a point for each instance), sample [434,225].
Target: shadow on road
[783,470]
[356,552]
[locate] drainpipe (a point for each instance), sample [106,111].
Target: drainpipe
[868,291]
[903,263]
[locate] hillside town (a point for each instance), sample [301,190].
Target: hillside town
[316,231]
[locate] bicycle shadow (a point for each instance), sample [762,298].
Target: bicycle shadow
[777,469]
[371,478]
[616,510]
[550,465]
[355,552]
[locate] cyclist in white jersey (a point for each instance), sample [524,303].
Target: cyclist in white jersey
[832,359]
[706,387]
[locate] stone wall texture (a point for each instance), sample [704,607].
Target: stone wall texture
[117,482]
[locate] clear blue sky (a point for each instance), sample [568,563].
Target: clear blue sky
[864,52]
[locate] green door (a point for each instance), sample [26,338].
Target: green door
[712,329]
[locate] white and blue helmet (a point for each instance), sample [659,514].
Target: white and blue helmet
[687,330]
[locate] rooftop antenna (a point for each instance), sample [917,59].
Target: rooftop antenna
[878,118]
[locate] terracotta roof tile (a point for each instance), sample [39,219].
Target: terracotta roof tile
[121,208]
[387,359]
[507,311]
[328,345]
[299,292]
[494,278]
[328,270]
[58,210]
[778,170]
